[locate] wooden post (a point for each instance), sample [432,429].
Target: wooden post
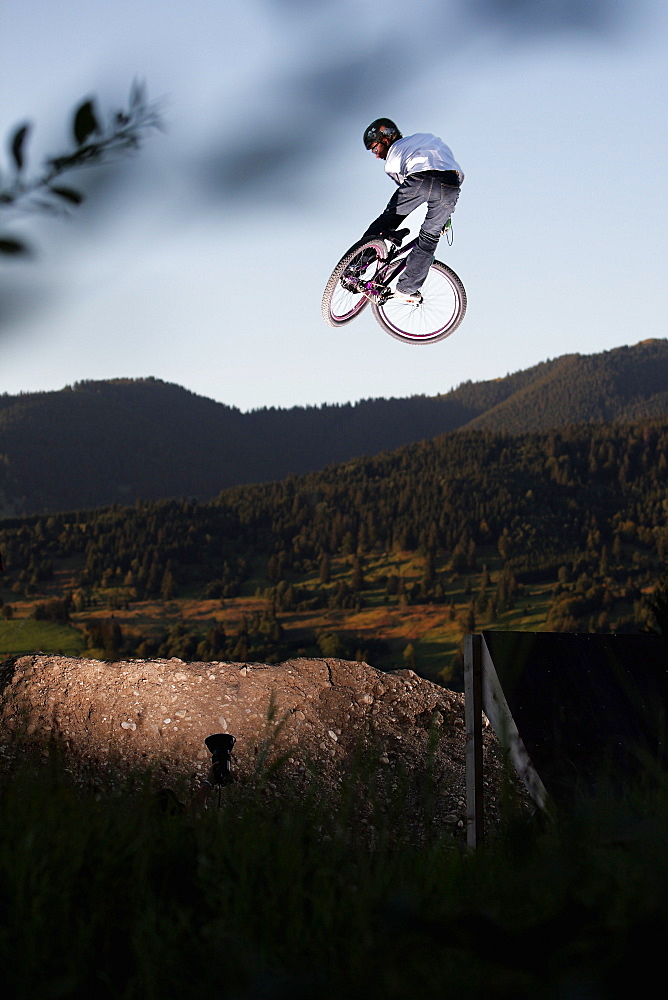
[475,816]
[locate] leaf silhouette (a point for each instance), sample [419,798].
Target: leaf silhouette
[18,142]
[85,123]
[68,194]
[137,94]
[11,246]
[96,142]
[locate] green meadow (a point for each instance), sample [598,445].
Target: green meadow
[25,635]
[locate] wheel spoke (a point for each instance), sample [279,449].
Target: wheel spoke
[344,302]
[340,303]
[442,309]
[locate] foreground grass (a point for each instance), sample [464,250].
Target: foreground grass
[116,896]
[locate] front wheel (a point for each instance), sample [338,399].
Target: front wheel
[439,314]
[343,299]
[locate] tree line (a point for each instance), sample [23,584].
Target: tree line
[584,507]
[98,443]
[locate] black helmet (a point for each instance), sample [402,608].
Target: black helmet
[381,128]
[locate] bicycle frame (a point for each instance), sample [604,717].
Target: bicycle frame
[388,269]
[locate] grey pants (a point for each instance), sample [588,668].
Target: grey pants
[432,187]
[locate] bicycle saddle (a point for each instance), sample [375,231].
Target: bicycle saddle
[397,237]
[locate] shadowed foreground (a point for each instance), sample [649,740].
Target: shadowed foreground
[305,720]
[125,895]
[331,869]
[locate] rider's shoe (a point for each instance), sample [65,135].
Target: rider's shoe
[411,299]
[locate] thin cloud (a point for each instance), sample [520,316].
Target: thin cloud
[594,17]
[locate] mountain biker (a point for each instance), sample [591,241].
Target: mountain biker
[426,171]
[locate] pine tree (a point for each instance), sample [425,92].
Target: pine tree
[324,572]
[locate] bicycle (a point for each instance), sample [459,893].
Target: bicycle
[368,273]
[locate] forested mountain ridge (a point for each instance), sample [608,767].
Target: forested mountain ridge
[577,389]
[118,441]
[413,547]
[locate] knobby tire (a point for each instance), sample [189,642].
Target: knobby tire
[440,313]
[339,305]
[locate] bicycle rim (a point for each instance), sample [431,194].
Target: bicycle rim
[339,304]
[441,311]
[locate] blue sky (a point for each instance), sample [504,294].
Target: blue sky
[202,260]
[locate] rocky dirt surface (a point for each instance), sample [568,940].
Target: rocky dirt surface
[325,717]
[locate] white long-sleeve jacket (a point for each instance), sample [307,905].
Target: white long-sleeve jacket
[416,153]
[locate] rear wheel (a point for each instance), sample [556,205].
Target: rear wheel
[342,299]
[439,314]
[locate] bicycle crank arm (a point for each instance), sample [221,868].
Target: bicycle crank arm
[372,289]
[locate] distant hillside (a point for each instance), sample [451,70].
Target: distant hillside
[626,384]
[100,443]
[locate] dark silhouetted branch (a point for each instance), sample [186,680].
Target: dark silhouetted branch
[94,143]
